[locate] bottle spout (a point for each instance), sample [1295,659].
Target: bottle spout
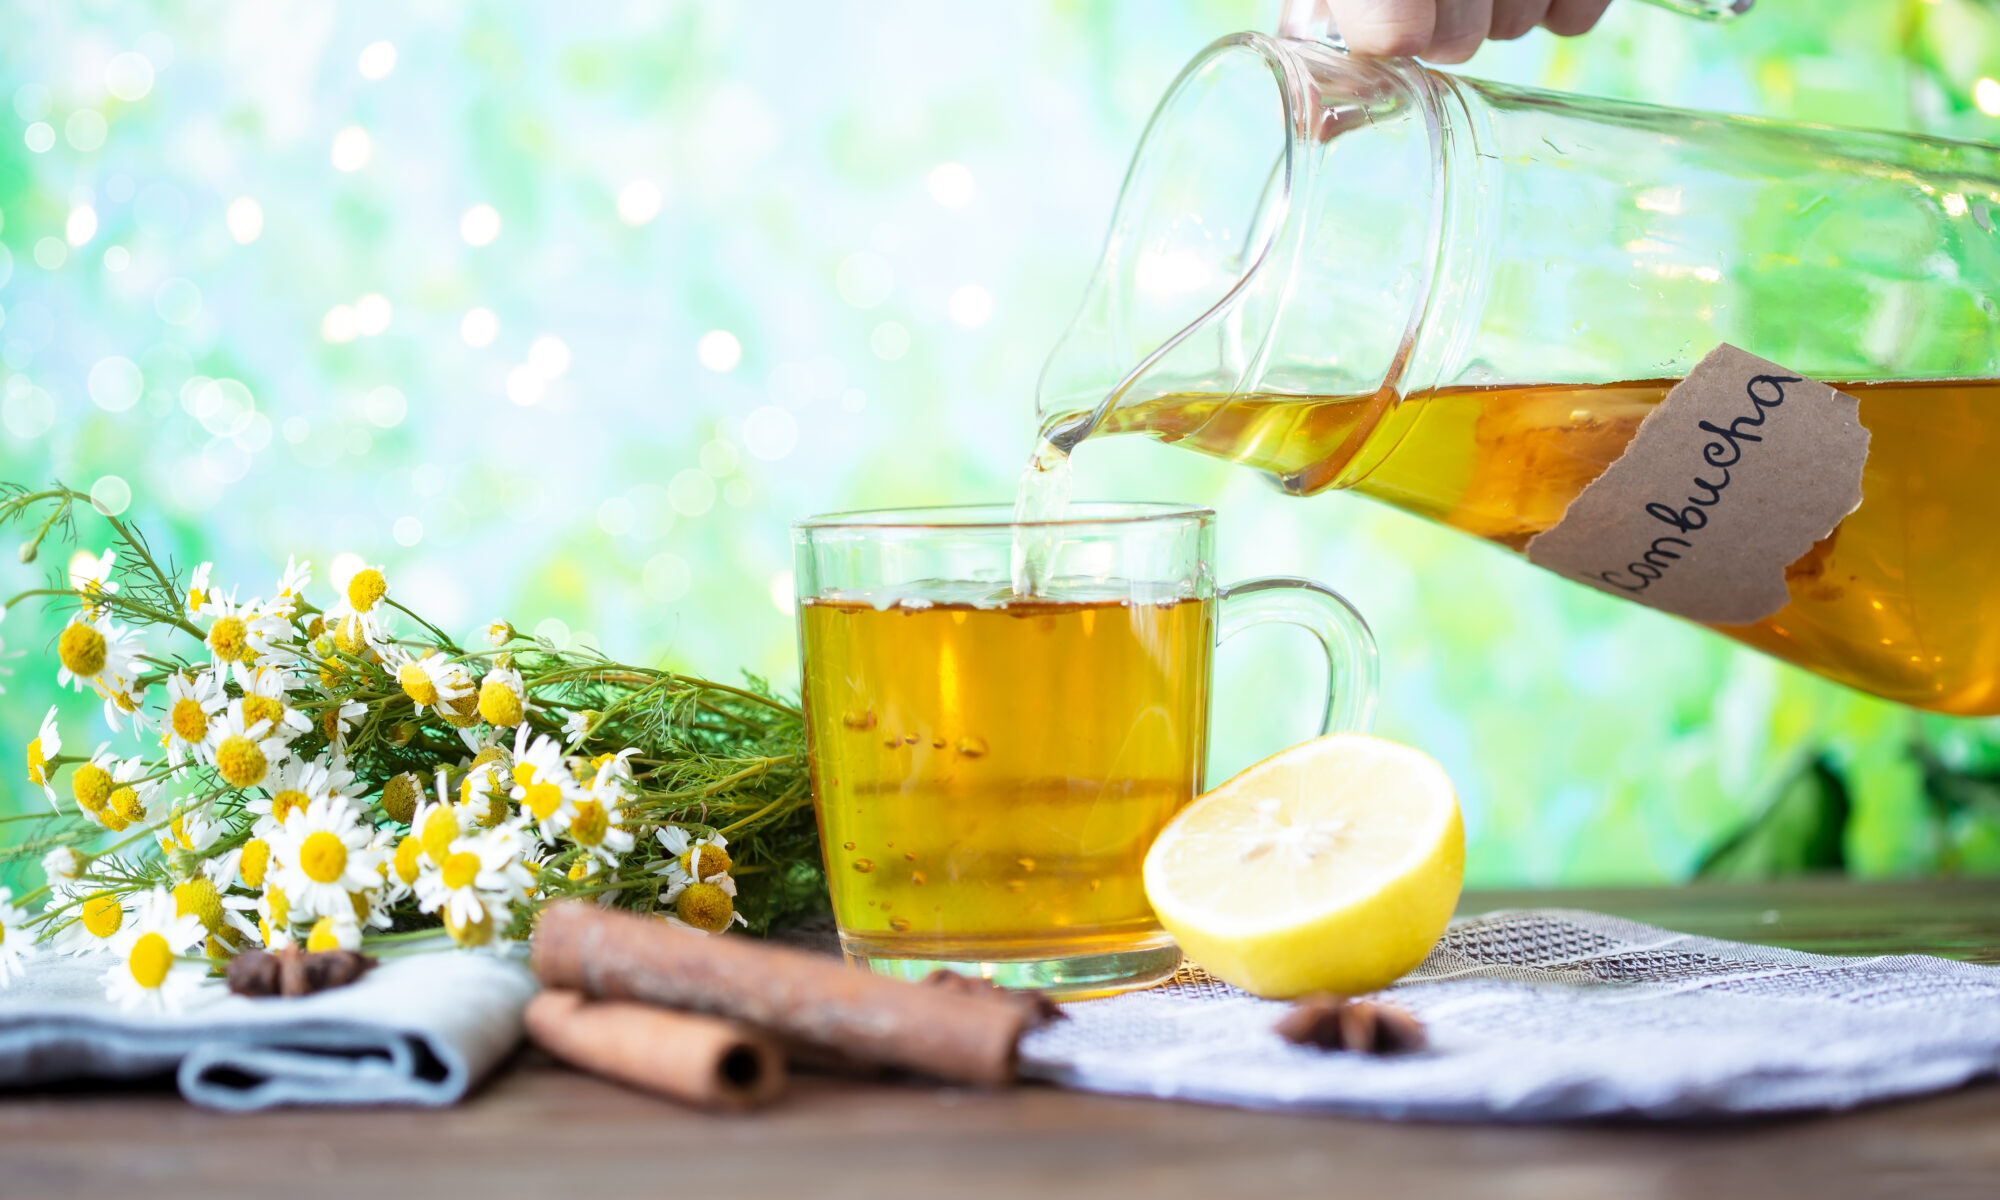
[1273,236]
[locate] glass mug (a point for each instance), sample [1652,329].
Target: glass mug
[989,769]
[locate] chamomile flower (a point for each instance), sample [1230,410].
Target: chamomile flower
[61,867]
[298,574]
[543,785]
[274,917]
[429,680]
[122,698]
[264,691]
[336,723]
[189,831]
[438,824]
[334,933]
[148,975]
[93,923]
[598,827]
[98,653]
[406,866]
[15,940]
[91,577]
[132,790]
[224,924]
[461,709]
[576,726]
[45,746]
[710,906]
[199,590]
[325,854]
[692,860]
[193,703]
[503,698]
[91,783]
[246,753]
[477,885]
[498,634]
[242,633]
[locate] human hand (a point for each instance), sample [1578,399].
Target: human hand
[1448,31]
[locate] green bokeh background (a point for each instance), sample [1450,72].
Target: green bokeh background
[890,320]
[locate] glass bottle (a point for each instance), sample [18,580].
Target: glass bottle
[1461,298]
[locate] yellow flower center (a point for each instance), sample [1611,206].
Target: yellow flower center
[489,810]
[38,763]
[323,857]
[224,942]
[490,754]
[102,914]
[125,803]
[476,932]
[322,936]
[543,800]
[350,637]
[439,832]
[196,598]
[399,797]
[150,960]
[590,823]
[406,859]
[580,869]
[417,683]
[241,761]
[229,638]
[91,785]
[81,648]
[189,721]
[263,708]
[329,724]
[366,589]
[499,704]
[460,870]
[279,906]
[705,906]
[712,860]
[198,896]
[287,802]
[255,861]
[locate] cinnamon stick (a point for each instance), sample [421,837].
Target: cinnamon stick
[800,997]
[697,1060]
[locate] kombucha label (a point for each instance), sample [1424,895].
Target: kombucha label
[1728,481]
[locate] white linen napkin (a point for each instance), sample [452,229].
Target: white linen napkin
[1554,1014]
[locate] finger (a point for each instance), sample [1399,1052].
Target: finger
[1572,17]
[1461,27]
[1385,27]
[1514,18]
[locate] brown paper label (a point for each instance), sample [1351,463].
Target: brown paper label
[1728,481]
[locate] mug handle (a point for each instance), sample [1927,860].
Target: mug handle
[1353,668]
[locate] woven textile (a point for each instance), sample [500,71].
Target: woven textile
[1552,1014]
[420,1029]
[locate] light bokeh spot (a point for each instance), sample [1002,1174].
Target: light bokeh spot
[719,350]
[951,185]
[478,327]
[480,225]
[245,219]
[352,148]
[377,60]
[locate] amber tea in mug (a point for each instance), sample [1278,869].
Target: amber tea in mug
[989,768]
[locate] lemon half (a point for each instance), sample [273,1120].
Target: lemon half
[1331,867]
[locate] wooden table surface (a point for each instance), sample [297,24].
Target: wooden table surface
[539,1130]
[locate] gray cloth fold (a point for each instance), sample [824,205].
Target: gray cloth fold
[1555,1014]
[420,1029]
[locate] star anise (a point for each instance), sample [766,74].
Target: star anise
[1344,1023]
